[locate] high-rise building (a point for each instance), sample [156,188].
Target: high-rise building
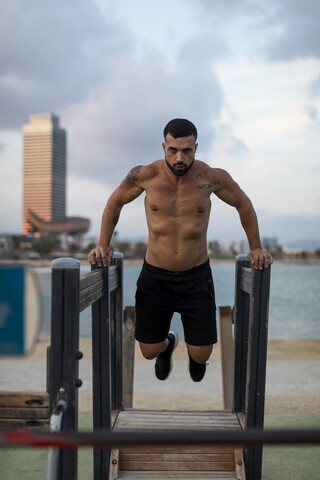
[44,178]
[44,171]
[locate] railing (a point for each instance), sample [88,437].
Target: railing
[71,294]
[251,312]
[102,288]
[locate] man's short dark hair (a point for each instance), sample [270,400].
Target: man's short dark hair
[179,127]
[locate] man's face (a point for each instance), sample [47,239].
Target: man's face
[179,153]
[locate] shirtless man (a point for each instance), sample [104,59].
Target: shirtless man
[176,275]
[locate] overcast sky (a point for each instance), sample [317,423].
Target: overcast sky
[246,72]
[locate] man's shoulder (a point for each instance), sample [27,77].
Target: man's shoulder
[152,169]
[206,170]
[210,178]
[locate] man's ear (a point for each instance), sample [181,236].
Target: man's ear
[195,147]
[164,146]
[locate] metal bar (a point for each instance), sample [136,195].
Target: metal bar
[55,427]
[253,455]
[101,373]
[118,340]
[240,335]
[63,351]
[103,439]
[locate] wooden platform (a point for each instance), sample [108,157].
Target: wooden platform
[176,462]
[24,410]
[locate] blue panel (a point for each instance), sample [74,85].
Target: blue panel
[11,310]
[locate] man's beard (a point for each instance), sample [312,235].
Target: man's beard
[179,173]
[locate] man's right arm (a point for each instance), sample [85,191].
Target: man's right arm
[128,190]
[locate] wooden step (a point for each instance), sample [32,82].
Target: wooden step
[177,475]
[24,410]
[176,461]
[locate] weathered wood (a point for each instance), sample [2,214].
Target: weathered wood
[227,355]
[114,465]
[177,449]
[189,465]
[165,420]
[167,456]
[90,295]
[24,410]
[176,458]
[24,399]
[239,464]
[128,355]
[38,424]
[177,475]
[90,278]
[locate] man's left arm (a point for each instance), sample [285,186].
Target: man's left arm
[230,192]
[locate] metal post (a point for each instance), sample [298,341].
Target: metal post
[64,352]
[118,335]
[241,313]
[257,358]
[101,374]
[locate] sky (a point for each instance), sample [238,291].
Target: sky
[246,72]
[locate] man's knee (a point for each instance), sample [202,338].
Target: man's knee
[152,350]
[200,353]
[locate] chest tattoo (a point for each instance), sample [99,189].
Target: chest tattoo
[207,185]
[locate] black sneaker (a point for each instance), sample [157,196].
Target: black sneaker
[197,370]
[163,365]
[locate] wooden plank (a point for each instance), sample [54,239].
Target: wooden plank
[184,449]
[90,278]
[128,355]
[227,355]
[181,466]
[176,475]
[24,424]
[30,413]
[24,399]
[90,295]
[239,464]
[177,457]
[114,465]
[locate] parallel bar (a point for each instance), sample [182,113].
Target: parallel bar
[118,339]
[101,378]
[63,351]
[107,440]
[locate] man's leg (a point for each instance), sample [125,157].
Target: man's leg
[200,353]
[152,350]
[163,352]
[198,356]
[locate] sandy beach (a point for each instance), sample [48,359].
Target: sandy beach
[293,380]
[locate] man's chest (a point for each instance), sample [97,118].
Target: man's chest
[177,200]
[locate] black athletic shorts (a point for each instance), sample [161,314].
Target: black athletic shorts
[160,293]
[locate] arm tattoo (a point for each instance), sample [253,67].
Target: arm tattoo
[133,176]
[115,219]
[208,185]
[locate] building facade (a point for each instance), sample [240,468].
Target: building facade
[44,170]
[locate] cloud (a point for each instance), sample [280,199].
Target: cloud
[299,34]
[120,124]
[51,53]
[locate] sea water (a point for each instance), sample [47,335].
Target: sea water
[294,298]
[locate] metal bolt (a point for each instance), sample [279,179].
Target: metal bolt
[79,355]
[239,462]
[62,390]
[78,383]
[114,461]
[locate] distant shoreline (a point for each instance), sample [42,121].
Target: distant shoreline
[138,261]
